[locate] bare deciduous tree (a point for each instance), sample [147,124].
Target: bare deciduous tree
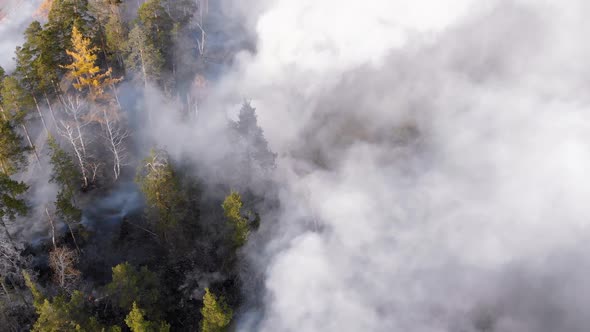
[62,261]
[52,225]
[203,6]
[71,129]
[76,108]
[115,135]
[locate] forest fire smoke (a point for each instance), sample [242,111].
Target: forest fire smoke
[431,162]
[431,165]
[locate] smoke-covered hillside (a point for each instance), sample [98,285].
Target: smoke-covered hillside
[280,165]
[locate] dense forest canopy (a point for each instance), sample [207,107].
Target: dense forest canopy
[171,259]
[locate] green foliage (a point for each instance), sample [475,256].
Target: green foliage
[11,204]
[35,63]
[116,34]
[137,323]
[40,59]
[16,101]
[216,313]
[12,153]
[65,173]
[159,184]
[130,285]
[232,208]
[66,208]
[158,26]
[143,56]
[63,315]
[38,297]
[63,17]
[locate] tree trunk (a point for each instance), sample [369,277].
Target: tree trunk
[41,115]
[143,68]
[31,143]
[5,289]
[51,110]
[116,95]
[80,133]
[73,237]
[114,148]
[52,227]
[8,236]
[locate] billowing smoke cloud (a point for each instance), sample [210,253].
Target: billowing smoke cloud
[433,160]
[15,15]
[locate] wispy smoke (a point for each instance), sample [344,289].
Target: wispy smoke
[15,15]
[433,160]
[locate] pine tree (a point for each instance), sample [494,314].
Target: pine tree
[64,315]
[232,208]
[216,313]
[137,323]
[36,66]
[11,203]
[12,160]
[16,102]
[159,184]
[158,26]
[131,285]
[38,297]
[13,155]
[63,17]
[16,106]
[116,33]
[143,56]
[66,175]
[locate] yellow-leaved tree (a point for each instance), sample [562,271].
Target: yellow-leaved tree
[87,75]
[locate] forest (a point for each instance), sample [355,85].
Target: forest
[294,165]
[101,229]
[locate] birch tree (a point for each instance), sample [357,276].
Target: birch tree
[115,136]
[71,129]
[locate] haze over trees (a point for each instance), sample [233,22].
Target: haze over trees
[70,132]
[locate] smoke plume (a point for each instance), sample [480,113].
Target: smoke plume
[15,15]
[432,164]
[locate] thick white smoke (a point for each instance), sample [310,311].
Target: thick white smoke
[433,160]
[15,15]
